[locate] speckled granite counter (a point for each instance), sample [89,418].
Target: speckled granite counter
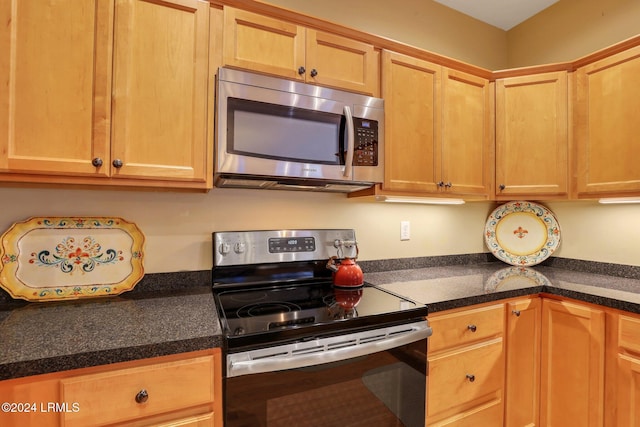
[447,287]
[37,338]
[175,312]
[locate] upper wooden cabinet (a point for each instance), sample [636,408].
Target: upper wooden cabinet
[274,46]
[438,135]
[55,100]
[100,89]
[532,138]
[607,129]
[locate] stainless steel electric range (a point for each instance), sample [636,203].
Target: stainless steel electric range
[300,351]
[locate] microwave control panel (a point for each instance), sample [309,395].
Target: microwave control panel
[366,142]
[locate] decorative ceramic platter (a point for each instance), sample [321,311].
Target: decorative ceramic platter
[522,233]
[514,278]
[44,259]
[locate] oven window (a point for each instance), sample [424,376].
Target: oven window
[382,389]
[269,131]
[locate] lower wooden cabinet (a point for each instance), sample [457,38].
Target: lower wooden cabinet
[466,367]
[572,364]
[522,385]
[178,390]
[624,382]
[531,361]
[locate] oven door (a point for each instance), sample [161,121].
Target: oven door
[378,378]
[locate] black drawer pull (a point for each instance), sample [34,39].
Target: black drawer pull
[472,328]
[142,396]
[471,377]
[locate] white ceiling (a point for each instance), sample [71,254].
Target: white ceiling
[503,14]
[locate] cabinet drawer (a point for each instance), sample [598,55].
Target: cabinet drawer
[457,329]
[110,397]
[462,376]
[629,333]
[489,414]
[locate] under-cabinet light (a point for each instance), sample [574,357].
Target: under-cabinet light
[419,200]
[615,200]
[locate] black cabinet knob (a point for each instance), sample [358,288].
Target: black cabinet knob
[502,187]
[97,162]
[142,396]
[472,328]
[516,313]
[471,377]
[301,70]
[117,163]
[314,72]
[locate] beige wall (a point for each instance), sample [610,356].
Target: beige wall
[178,226]
[421,23]
[570,29]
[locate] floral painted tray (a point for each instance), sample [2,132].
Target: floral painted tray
[57,258]
[522,233]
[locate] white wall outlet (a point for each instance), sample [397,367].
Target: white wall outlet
[405,230]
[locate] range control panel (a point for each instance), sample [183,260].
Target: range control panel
[366,142]
[270,246]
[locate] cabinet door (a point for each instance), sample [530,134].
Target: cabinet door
[523,363]
[607,126]
[263,44]
[572,365]
[411,91]
[341,62]
[532,136]
[55,99]
[628,391]
[466,133]
[160,90]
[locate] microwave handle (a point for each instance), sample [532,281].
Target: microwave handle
[348,162]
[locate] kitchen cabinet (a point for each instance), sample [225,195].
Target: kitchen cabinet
[532,136]
[626,377]
[438,135]
[607,127]
[278,47]
[522,384]
[572,364]
[170,390]
[104,92]
[466,367]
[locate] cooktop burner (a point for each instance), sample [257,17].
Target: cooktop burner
[270,288]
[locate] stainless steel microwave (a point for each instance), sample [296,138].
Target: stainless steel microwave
[280,134]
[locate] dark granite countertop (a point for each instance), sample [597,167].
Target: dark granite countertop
[447,287]
[38,338]
[175,312]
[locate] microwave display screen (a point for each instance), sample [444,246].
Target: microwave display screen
[270,131]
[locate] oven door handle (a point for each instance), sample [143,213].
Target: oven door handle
[325,350]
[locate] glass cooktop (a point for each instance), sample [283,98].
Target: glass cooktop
[280,312]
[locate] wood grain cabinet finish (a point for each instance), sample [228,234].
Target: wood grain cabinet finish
[466,367]
[626,372]
[532,138]
[572,364]
[438,128]
[55,100]
[607,128]
[173,390]
[282,48]
[522,384]
[105,89]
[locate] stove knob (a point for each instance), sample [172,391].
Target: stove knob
[239,248]
[238,331]
[224,248]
